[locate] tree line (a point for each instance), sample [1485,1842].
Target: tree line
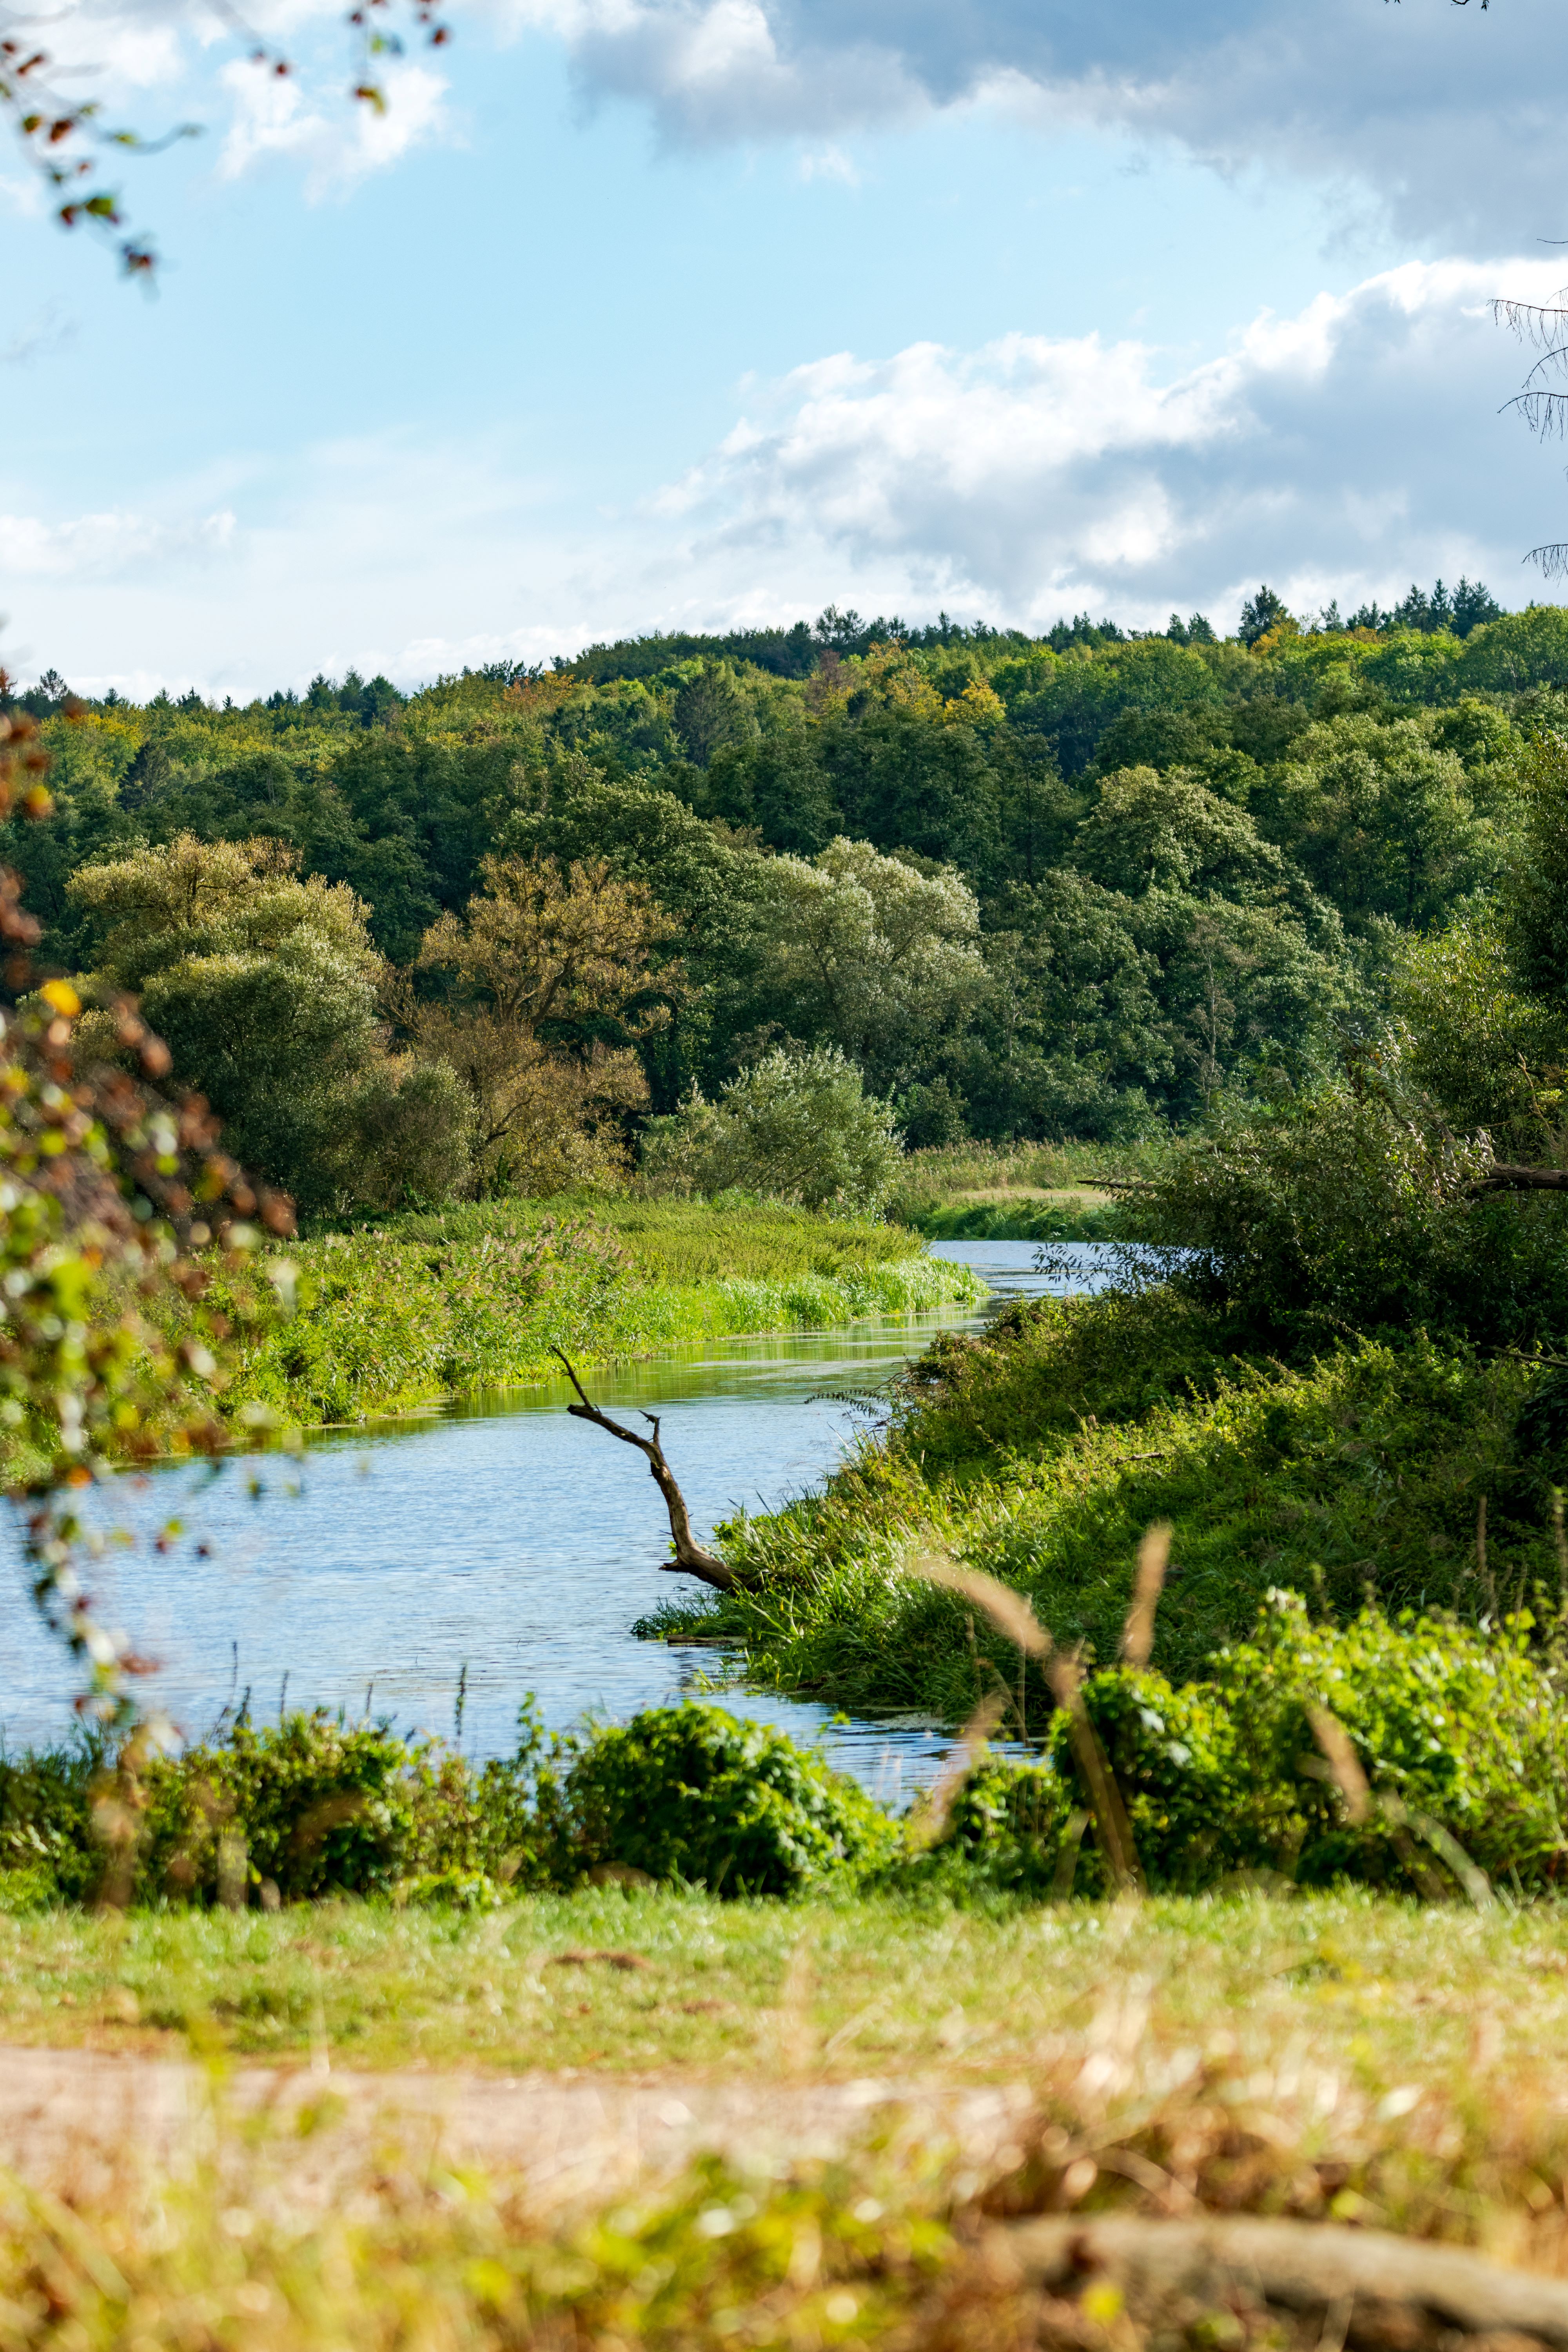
[1094,884]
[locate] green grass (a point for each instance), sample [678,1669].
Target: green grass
[1341,2059]
[425,1306]
[1382,1991]
[1041,1452]
[1017,1192]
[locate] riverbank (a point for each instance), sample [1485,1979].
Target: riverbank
[1019,1192]
[1040,1452]
[423,1307]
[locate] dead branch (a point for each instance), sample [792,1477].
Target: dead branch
[691,1559]
[1378,2288]
[1511,1176]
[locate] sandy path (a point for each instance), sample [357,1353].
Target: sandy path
[87,2120]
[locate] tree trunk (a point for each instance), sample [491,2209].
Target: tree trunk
[1511,1176]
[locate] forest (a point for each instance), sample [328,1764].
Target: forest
[522,929]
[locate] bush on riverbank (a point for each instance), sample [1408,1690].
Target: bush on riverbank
[1460,1740]
[441,1303]
[314,1805]
[695,1794]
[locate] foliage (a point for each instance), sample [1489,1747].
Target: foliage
[1539,912]
[867,950]
[696,1794]
[794,1127]
[1077,885]
[1459,1737]
[316,1805]
[1041,1451]
[263,986]
[475,1297]
[541,964]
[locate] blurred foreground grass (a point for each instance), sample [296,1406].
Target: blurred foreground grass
[1386,1995]
[1346,2060]
[1329,2059]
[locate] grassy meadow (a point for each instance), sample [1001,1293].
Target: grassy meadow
[422,1306]
[1339,2060]
[1016,1192]
[1382,1993]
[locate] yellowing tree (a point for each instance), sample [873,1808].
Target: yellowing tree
[551,979]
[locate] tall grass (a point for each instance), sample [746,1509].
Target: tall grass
[392,1316]
[1041,1452]
[1026,1191]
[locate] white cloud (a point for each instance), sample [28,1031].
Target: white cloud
[274,118]
[829,164]
[113,546]
[1339,451]
[1450,116]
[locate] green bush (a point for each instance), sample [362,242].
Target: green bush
[1006,1830]
[794,1127]
[320,1806]
[690,1792]
[1462,1738]
[47,1847]
[1466,1730]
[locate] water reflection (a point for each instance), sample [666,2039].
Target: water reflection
[497,1535]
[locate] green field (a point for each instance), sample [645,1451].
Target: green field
[1382,1993]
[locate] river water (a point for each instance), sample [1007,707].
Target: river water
[495,1545]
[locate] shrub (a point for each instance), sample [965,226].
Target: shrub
[690,1792]
[1462,1738]
[1005,1830]
[1467,1730]
[46,1842]
[795,1127]
[320,1806]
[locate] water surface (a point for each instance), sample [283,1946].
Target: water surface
[495,1544]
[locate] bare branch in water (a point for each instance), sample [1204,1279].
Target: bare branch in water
[690,1558]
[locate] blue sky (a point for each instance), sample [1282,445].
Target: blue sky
[692,312]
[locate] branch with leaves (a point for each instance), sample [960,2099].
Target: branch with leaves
[67,145]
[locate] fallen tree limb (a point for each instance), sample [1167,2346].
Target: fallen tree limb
[690,1558]
[1379,2289]
[1514,1176]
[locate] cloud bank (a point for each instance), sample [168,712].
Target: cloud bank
[1342,451]
[1447,115]
[1338,451]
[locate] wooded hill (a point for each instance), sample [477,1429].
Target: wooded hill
[1082,886]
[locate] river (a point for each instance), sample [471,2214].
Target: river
[495,1547]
